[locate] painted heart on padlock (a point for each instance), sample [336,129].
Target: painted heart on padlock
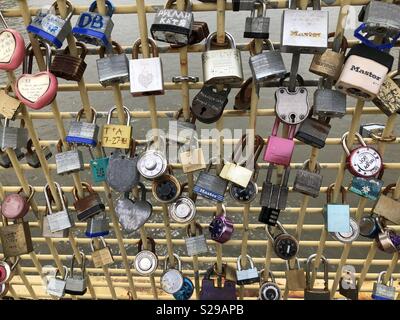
[36,90]
[12,49]
[132,215]
[145,78]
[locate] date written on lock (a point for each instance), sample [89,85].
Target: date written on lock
[116,136]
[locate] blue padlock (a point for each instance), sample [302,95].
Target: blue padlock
[337,216]
[387,44]
[186,291]
[99,169]
[83,133]
[367,188]
[94,28]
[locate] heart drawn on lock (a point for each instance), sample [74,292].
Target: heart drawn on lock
[36,90]
[12,49]
[145,78]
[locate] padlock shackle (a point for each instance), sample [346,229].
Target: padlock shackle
[285,178]
[239,259]
[344,44]
[110,7]
[329,192]
[28,60]
[50,198]
[152,244]
[389,188]
[306,166]
[188,5]
[308,270]
[83,264]
[3,21]
[178,259]
[292,129]
[12,265]
[116,47]
[263,12]
[126,111]
[85,186]
[213,35]
[70,10]
[138,43]
[31,193]
[84,50]
[65,273]
[81,112]
[142,191]
[344,143]
[102,241]
[296,260]
[299,79]
[263,278]
[380,278]
[197,227]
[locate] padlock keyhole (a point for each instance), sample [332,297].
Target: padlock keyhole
[292,117]
[203,109]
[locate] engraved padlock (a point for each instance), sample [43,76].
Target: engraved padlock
[16,238]
[101,256]
[68,161]
[146,260]
[13,137]
[195,243]
[257,27]
[114,68]
[388,97]
[117,135]
[307,182]
[83,133]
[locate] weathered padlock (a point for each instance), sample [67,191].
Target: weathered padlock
[257,27]
[83,133]
[350,236]
[153,163]
[307,182]
[329,103]
[117,135]
[7,269]
[9,105]
[370,226]
[146,75]
[49,26]
[195,244]
[337,216]
[114,68]
[210,292]
[269,290]
[12,47]
[388,207]
[311,293]
[16,205]
[146,261]
[364,71]
[171,25]
[210,186]
[186,291]
[102,256]
[199,32]
[209,104]
[246,276]
[39,89]
[172,279]
[77,285]
[13,137]
[221,227]
[347,285]
[166,189]
[132,215]
[313,132]
[89,205]
[94,28]
[98,226]
[363,161]
[56,285]
[16,238]
[183,210]
[99,168]
[279,150]
[388,40]
[383,291]
[388,98]
[295,278]
[32,158]
[221,66]
[285,245]
[368,188]
[68,161]
[70,67]
[5,161]
[304,31]
[46,232]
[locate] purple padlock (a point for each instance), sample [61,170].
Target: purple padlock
[210,292]
[221,227]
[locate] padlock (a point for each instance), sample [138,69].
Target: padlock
[39,89]
[195,243]
[183,210]
[49,26]
[171,25]
[94,28]
[146,75]
[388,98]
[117,135]
[16,205]
[388,40]
[285,245]
[329,103]
[146,260]
[89,205]
[166,189]
[210,186]
[336,216]
[368,188]
[388,207]
[240,5]
[199,32]
[383,291]
[192,159]
[132,215]
[210,292]
[46,232]
[275,195]
[98,167]
[172,279]
[114,68]
[221,227]
[363,161]
[181,132]
[77,285]
[246,276]
[307,182]
[257,27]
[16,238]
[371,226]
[311,293]
[7,269]
[83,133]
[32,158]
[347,285]
[186,291]
[12,47]
[56,285]
[371,130]
[279,150]
[295,278]
[98,226]
[243,97]
[269,290]
[9,105]
[304,31]
[313,132]
[153,163]
[388,241]
[350,236]
[330,62]
[209,104]
[68,161]
[5,161]
[70,67]
[364,71]
[101,257]
[13,137]
[221,66]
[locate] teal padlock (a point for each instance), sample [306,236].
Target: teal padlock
[98,168]
[337,216]
[367,188]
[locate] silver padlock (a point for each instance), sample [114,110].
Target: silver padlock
[56,285]
[329,103]
[195,244]
[146,261]
[370,130]
[172,279]
[246,276]
[222,66]
[240,5]
[152,163]
[83,133]
[307,182]
[77,285]
[183,210]
[257,27]
[12,137]
[68,161]
[98,226]
[382,291]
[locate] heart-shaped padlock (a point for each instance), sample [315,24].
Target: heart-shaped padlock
[7,269]
[39,89]
[221,227]
[166,188]
[15,205]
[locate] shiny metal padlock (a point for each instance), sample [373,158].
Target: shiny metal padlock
[98,226]
[77,285]
[311,293]
[117,135]
[46,232]
[56,285]
[83,133]
[153,162]
[246,276]
[381,291]
[337,216]
[329,103]
[89,205]
[102,256]
[195,243]
[31,155]
[313,132]
[172,279]
[146,261]
[12,137]
[68,161]
[183,210]
[257,27]
[307,182]
[292,107]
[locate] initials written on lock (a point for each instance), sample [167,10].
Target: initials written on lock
[86,19]
[115,135]
[177,18]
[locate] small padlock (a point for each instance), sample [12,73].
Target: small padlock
[388,241]
[172,279]
[195,244]
[16,238]
[311,293]
[246,276]
[200,32]
[337,216]
[146,261]
[98,167]
[370,226]
[382,291]
[166,189]
[46,232]
[285,245]
[368,188]
[183,210]
[210,292]
[257,27]
[117,135]
[221,227]
[77,285]
[388,207]
[192,156]
[307,182]
[9,105]
[328,102]
[313,132]
[13,137]
[269,290]
[186,291]
[153,163]
[16,205]
[56,285]
[295,278]
[7,269]
[98,226]
[102,256]
[347,285]
[83,133]
[371,130]
[388,97]
[32,158]
[68,161]
[350,236]
[88,206]
[94,28]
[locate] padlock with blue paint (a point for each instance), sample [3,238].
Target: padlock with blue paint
[367,188]
[98,167]
[98,226]
[362,34]
[48,25]
[94,28]
[186,291]
[337,216]
[83,133]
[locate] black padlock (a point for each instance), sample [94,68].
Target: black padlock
[166,189]
[269,216]
[313,132]
[210,186]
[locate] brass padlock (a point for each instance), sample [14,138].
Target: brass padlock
[16,238]
[117,135]
[9,106]
[101,257]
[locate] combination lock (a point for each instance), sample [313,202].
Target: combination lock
[243,195]
[269,291]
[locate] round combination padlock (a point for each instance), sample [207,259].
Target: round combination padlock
[244,195]
[186,291]
[183,210]
[152,164]
[146,261]
[269,290]
[285,245]
[221,227]
[172,279]
[348,237]
[166,189]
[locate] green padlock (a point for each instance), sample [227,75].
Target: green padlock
[99,166]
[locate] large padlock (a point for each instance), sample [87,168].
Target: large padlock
[269,290]
[210,292]
[16,205]
[246,276]
[313,132]
[347,285]
[221,227]
[311,293]
[114,68]
[388,98]
[388,207]
[337,216]
[257,27]
[195,243]
[171,25]
[101,257]
[9,105]
[98,226]
[56,285]
[49,26]
[68,161]
[39,89]
[368,188]
[83,133]
[89,205]
[221,66]
[285,245]
[32,158]
[16,238]
[13,137]
[183,210]
[7,268]
[166,189]
[171,279]
[153,162]
[94,28]
[307,182]
[77,285]
[146,260]
[70,67]
[117,135]
[46,232]
[146,75]
[275,195]
[304,31]
[364,71]
[383,291]
[295,277]
[329,103]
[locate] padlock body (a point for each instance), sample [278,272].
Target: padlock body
[210,292]
[93,28]
[337,217]
[102,257]
[99,168]
[382,18]
[267,65]
[76,286]
[12,50]
[327,64]
[82,133]
[269,216]
[68,67]
[46,232]
[313,132]
[316,294]
[98,226]
[116,136]
[13,138]
[88,206]
[329,103]
[59,221]
[367,188]
[295,279]
[210,187]
[256,27]
[279,150]
[16,239]
[196,245]
[292,107]
[247,276]
[388,208]
[308,183]
[208,105]
[122,173]
[56,287]
[113,69]
[388,98]
[383,292]
[146,77]
[69,161]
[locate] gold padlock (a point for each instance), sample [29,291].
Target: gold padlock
[117,135]
[16,238]
[192,160]
[388,207]
[388,98]
[101,257]
[9,106]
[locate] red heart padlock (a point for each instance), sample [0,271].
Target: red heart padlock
[16,205]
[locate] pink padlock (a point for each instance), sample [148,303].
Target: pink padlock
[39,89]
[279,150]
[16,205]
[12,47]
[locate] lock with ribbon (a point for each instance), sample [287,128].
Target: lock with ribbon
[117,135]
[83,133]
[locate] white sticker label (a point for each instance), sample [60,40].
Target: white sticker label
[33,87]
[7,46]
